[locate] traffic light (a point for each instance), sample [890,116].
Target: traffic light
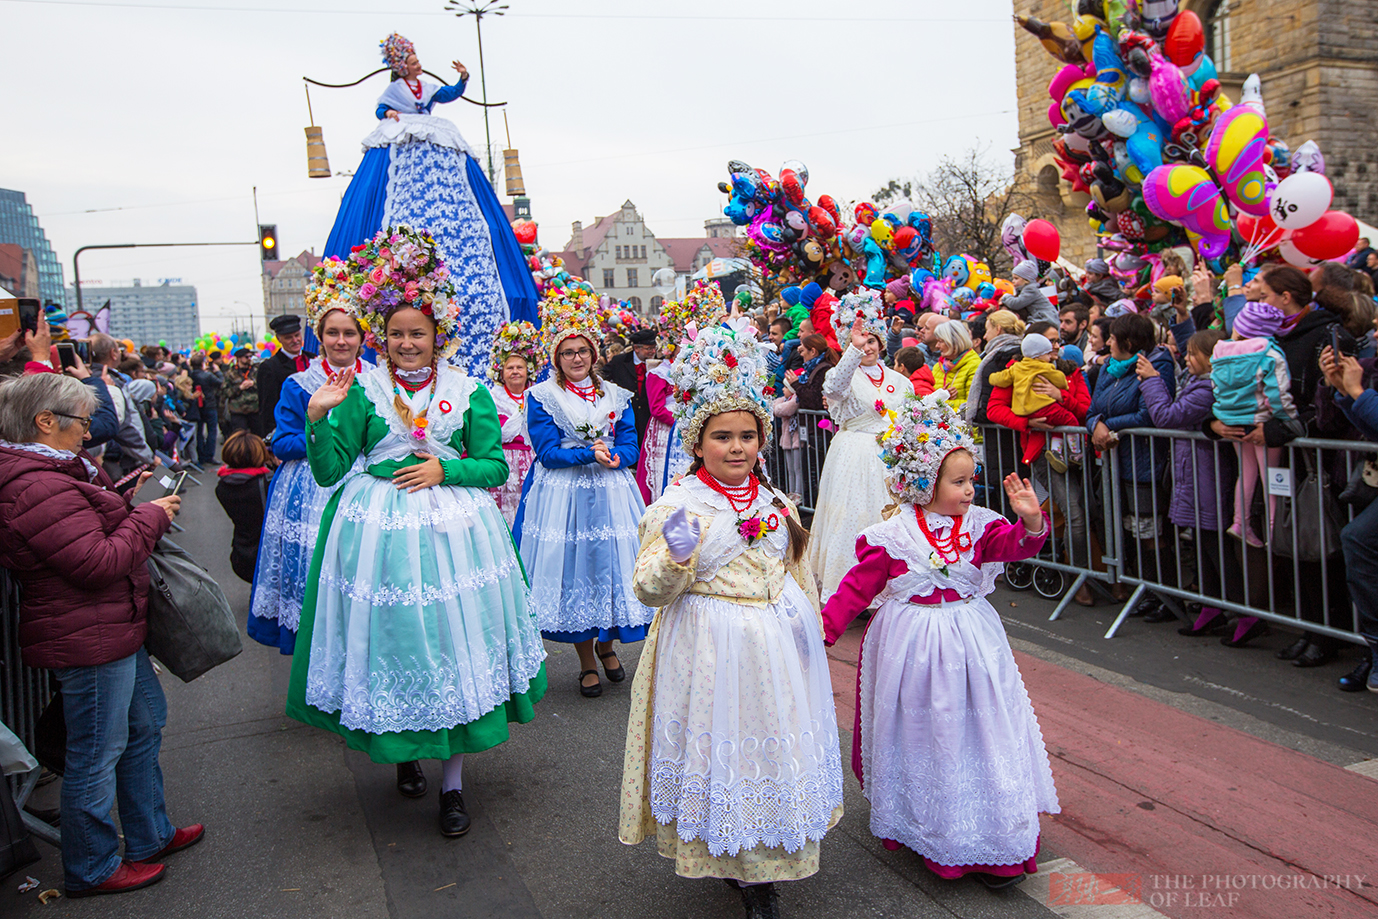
[267,242]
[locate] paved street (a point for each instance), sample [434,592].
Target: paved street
[1173,756]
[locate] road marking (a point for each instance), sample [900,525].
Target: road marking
[1283,708]
[1368,767]
[1070,891]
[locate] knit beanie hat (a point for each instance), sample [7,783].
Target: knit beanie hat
[1167,282]
[1073,353]
[1035,345]
[1258,320]
[1026,270]
[1097,266]
[1121,307]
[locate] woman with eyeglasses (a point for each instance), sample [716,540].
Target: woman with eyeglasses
[78,550]
[576,526]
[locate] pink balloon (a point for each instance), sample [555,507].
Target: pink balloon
[1063,80]
[1055,117]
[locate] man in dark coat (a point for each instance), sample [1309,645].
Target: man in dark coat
[272,373]
[628,370]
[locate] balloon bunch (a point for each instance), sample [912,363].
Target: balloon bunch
[792,239]
[891,243]
[547,270]
[616,319]
[1164,154]
[219,346]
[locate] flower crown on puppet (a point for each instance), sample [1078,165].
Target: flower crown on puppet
[516,339]
[864,303]
[716,370]
[399,267]
[330,289]
[566,312]
[395,49]
[922,432]
[702,305]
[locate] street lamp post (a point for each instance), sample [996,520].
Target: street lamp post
[478,9]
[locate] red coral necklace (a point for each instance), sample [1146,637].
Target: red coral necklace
[588,395]
[415,90]
[740,497]
[949,547]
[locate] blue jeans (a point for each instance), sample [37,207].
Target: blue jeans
[115,716]
[206,430]
[1359,539]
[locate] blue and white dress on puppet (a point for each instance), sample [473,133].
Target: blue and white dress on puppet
[292,520]
[577,525]
[419,171]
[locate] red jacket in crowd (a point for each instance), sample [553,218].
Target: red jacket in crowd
[1070,412]
[78,551]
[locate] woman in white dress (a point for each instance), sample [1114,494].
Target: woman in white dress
[576,526]
[945,744]
[732,759]
[517,356]
[860,392]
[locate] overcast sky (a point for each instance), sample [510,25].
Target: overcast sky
[161,116]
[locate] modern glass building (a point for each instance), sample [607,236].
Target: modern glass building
[19,225]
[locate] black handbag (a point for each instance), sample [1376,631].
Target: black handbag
[191,627]
[1316,516]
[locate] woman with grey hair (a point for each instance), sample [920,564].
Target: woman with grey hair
[957,362]
[78,551]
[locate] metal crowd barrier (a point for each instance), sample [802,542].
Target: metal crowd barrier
[24,693]
[1111,522]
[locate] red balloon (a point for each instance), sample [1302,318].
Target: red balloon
[1041,240]
[904,237]
[822,222]
[1255,229]
[525,231]
[1185,39]
[1332,236]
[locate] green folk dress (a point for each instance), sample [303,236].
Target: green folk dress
[415,639]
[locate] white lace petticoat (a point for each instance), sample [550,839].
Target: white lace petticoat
[744,745]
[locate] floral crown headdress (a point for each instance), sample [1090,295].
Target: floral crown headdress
[330,289]
[516,339]
[716,370]
[395,49]
[566,312]
[864,303]
[400,267]
[702,305]
[922,432]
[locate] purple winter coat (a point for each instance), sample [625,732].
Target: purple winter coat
[78,550]
[1196,495]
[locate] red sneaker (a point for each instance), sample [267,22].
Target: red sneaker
[184,838]
[128,876]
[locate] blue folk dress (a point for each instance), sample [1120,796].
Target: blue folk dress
[292,520]
[419,171]
[576,526]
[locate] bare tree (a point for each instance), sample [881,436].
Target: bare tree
[968,197]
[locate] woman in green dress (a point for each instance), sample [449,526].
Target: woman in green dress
[420,642]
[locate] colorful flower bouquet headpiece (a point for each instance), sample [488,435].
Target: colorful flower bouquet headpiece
[568,311]
[330,289]
[400,267]
[516,339]
[395,49]
[922,432]
[719,369]
[702,305]
[864,303]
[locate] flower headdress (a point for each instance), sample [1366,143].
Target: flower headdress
[864,303]
[395,50]
[330,289]
[400,267]
[718,370]
[568,311]
[702,305]
[922,432]
[516,339]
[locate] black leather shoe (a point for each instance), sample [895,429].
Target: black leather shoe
[593,691]
[1216,626]
[1257,630]
[1357,679]
[454,819]
[616,675]
[1294,650]
[761,901]
[997,882]
[1161,614]
[1314,656]
[411,781]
